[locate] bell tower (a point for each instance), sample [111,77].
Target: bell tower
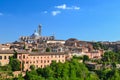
[39,29]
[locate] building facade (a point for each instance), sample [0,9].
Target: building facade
[56,41]
[4,56]
[40,60]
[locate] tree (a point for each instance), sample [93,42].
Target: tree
[6,68]
[110,59]
[92,76]
[85,58]
[15,64]
[65,71]
[19,77]
[32,75]
[32,67]
[15,54]
[47,49]
[96,45]
[115,76]
[48,72]
[72,72]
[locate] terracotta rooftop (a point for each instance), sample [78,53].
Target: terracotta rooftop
[47,53]
[56,40]
[22,51]
[6,51]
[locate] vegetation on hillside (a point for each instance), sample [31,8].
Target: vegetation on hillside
[73,69]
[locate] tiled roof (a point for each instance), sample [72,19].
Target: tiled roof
[6,51]
[47,53]
[22,51]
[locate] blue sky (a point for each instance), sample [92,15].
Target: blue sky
[97,20]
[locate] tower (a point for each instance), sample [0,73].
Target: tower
[39,30]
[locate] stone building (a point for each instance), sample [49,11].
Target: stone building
[36,37]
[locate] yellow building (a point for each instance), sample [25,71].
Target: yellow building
[4,56]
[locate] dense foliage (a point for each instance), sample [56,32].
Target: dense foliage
[98,45]
[47,49]
[72,70]
[15,64]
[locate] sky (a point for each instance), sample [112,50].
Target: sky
[89,20]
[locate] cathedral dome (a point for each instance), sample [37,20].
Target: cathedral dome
[35,34]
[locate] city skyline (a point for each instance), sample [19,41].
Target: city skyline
[88,20]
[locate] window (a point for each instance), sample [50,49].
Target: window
[23,56]
[48,61]
[0,57]
[5,57]
[19,57]
[44,61]
[33,61]
[36,61]
[27,62]
[9,57]
[41,61]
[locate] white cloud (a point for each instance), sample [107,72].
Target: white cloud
[61,6]
[54,13]
[1,14]
[64,6]
[76,8]
[45,12]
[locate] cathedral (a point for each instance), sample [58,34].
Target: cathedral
[36,37]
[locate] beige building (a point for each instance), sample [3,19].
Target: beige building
[56,41]
[4,56]
[4,47]
[95,54]
[40,60]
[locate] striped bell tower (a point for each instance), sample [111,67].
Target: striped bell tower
[39,30]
